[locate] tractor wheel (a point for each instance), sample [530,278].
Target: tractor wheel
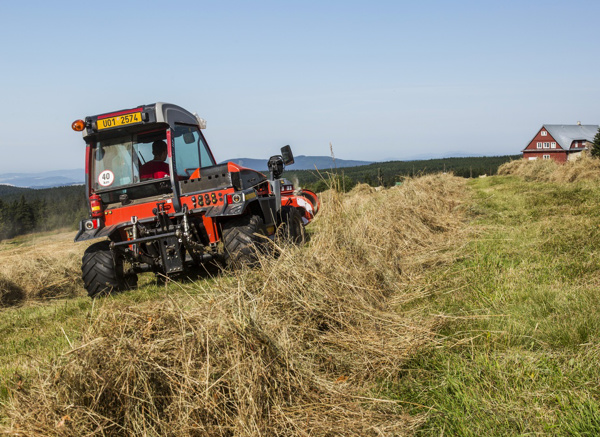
[100,276]
[291,228]
[244,239]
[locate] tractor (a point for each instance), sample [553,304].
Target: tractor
[160,203]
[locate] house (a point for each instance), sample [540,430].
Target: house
[560,142]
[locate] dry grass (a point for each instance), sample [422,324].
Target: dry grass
[296,347]
[39,267]
[584,168]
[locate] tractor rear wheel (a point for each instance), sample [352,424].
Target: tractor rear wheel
[101,274]
[291,228]
[243,238]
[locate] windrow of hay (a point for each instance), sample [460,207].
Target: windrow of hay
[40,267]
[297,346]
[547,170]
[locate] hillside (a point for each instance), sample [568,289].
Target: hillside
[11,192]
[443,306]
[391,172]
[25,210]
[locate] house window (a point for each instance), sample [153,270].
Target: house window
[546,156]
[539,145]
[553,145]
[546,145]
[544,133]
[532,158]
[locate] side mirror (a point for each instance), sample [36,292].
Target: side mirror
[287,155]
[99,153]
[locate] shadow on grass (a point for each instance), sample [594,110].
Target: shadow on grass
[192,274]
[10,293]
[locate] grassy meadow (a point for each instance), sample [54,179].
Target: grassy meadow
[520,347]
[440,307]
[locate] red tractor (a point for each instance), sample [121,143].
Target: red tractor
[162,204]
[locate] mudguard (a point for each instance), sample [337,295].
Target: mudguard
[90,234]
[304,200]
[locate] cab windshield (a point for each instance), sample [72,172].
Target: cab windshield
[116,162]
[138,164]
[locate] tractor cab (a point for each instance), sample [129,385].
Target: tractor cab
[143,153]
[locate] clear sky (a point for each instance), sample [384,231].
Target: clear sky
[379,79]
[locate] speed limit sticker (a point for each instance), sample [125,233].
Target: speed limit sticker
[106,178]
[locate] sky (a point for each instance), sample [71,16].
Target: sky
[379,80]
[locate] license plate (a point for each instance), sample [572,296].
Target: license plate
[120,120]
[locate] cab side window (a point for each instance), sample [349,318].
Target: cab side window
[190,151]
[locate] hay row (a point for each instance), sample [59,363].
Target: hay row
[547,170]
[299,346]
[40,267]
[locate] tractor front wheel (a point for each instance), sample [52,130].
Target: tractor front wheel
[243,238]
[291,228]
[101,273]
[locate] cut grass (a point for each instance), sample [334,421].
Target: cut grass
[522,318]
[36,329]
[495,329]
[40,266]
[33,333]
[290,348]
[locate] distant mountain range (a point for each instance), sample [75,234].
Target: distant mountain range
[301,162]
[46,179]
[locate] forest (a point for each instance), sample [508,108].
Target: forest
[26,210]
[392,172]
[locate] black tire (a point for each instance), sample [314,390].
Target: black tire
[101,274]
[243,238]
[291,228]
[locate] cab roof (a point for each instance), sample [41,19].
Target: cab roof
[137,119]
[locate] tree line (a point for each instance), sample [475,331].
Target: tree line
[24,210]
[389,173]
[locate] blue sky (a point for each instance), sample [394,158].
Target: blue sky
[379,79]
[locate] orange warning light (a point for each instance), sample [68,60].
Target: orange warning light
[78,125]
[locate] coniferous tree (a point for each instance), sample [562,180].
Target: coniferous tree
[2,226]
[596,145]
[40,213]
[23,216]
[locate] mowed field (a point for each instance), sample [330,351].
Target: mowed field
[444,306]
